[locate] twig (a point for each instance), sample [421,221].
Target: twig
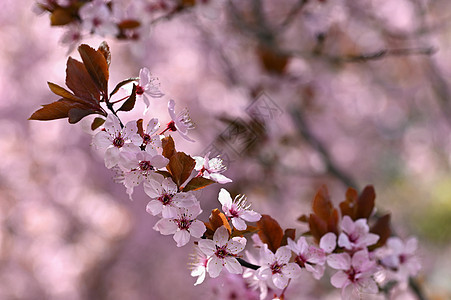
[382,54]
[247,264]
[304,130]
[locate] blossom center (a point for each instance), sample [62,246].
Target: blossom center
[300,260]
[118,141]
[171,126]
[139,90]
[145,165]
[166,199]
[146,139]
[234,213]
[351,274]
[276,268]
[221,252]
[183,223]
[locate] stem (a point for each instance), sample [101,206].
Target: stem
[122,99]
[110,107]
[247,264]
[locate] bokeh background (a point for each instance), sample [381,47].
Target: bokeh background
[293,95]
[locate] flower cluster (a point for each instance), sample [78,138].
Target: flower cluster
[128,20]
[340,238]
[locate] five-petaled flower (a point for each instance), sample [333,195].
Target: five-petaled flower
[141,166]
[355,275]
[308,256]
[181,122]
[198,265]
[97,18]
[117,141]
[237,209]
[222,252]
[356,235]
[183,225]
[165,197]
[148,86]
[277,266]
[211,168]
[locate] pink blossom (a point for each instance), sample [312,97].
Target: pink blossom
[117,141]
[211,168]
[97,18]
[399,258]
[150,139]
[148,86]
[166,198]
[198,265]
[308,256]
[181,122]
[222,252]
[355,275]
[183,225]
[237,209]
[277,266]
[141,166]
[356,235]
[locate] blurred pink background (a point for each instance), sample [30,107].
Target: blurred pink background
[68,231]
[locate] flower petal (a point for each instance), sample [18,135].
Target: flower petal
[197,229]
[221,236]
[165,226]
[181,237]
[232,265]
[214,266]
[340,261]
[208,247]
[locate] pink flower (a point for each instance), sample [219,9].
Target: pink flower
[181,122]
[150,139]
[309,257]
[355,275]
[277,266]
[97,18]
[400,259]
[117,141]
[142,166]
[72,37]
[211,168]
[148,86]
[237,209]
[198,265]
[356,235]
[183,225]
[222,252]
[166,198]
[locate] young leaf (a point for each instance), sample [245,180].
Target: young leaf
[80,83]
[61,16]
[248,230]
[122,83]
[365,202]
[130,102]
[168,147]
[64,108]
[97,123]
[322,206]
[96,65]
[105,50]
[197,183]
[216,220]
[129,24]
[289,233]
[383,229]
[139,124]
[60,91]
[270,232]
[180,166]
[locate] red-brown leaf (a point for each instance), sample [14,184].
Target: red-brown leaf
[96,65]
[197,183]
[322,206]
[79,81]
[168,147]
[270,232]
[130,102]
[318,227]
[216,220]
[383,229]
[180,166]
[105,50]
[97,123]
[365,202]
[289,233]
